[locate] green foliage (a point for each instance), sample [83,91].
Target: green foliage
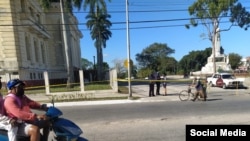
[240,16]
[194,61]
[168,65]
[144,72]
[153,56]
[93,5]
[210,9]
[234,60]
[210,14]
[99,26]
[86,64]
[105,66]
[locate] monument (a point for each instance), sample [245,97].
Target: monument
[221,60]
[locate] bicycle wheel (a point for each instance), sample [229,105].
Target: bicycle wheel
[184,95]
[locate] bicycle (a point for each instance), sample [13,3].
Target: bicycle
[184,95]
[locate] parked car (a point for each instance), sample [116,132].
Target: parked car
[225,80]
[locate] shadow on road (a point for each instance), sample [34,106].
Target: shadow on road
[213,99]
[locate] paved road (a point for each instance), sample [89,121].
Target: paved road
[142,92]
[159,118]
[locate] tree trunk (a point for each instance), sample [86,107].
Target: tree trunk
[99,63]
[66,46]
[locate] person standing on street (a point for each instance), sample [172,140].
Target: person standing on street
[151,85]
[158,83]
[165,84]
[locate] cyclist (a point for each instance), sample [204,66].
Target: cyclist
[199,88]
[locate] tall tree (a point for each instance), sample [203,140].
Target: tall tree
[152,56]
[210,13]
[194,60]
[168,65]
[99,25]
[94,5]
[86,64]
[234,60]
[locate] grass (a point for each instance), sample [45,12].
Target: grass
[65,88]
[76,87]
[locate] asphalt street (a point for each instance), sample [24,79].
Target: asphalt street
[138,91]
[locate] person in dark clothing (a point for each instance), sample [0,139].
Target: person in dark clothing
[164,84]
[151,85]
[1,83]
[158,83]
[199,89]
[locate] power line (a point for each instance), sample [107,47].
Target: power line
[142,27]
[123,23]
[119,11]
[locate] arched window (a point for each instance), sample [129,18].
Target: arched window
[28,49]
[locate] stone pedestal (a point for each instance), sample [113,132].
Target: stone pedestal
[221,63]
[221,60]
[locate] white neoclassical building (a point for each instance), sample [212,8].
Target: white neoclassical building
[31,41]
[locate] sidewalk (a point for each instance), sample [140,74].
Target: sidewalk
[140,91]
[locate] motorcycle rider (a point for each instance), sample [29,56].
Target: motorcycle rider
[19,106]
[7,123]
[14,127]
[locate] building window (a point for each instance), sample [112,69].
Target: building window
[38,19]
[43,53]
[27,43]
[22,6]
[31,12]
[31,76]
[34,75]
[15,73]
[36,51]
[40,76]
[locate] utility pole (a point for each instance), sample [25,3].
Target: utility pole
[94,62]
[128,52]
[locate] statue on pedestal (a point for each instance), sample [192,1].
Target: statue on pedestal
[221,60]
[217,43]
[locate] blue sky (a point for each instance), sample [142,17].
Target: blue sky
[158,21]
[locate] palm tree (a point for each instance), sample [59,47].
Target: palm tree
[94,5]
[99,25]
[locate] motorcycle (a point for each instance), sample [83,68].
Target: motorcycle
[63,129]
